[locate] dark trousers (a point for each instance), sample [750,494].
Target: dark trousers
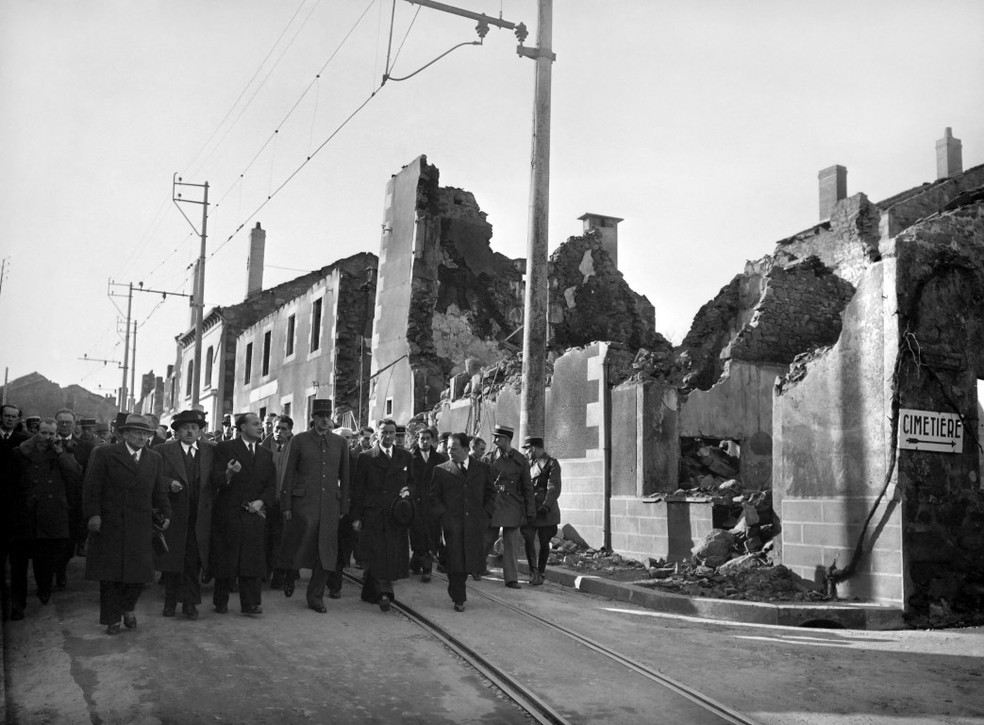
[274,532]
[373,587]
[116,598]
[45,554]
[249,591]
[65,554]
[320,577]
[185,586]
[456,587]
[530,535]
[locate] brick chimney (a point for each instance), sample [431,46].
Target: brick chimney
[949,156]
[607,227]
[254,263]
[833,188]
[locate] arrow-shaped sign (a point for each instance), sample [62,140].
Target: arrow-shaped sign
[952,444]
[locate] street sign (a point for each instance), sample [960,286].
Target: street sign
[930,430]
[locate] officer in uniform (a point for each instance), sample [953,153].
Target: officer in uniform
[545,474]
[514,504]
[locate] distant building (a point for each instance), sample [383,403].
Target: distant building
[36,395]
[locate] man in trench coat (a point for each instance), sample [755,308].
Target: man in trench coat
[381,477]
[187,473]
[123,487]
[462,499]
[315,496]
[245,480]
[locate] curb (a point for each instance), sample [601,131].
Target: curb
[846,615]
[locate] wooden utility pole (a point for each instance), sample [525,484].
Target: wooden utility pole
[124,397]
[198,301]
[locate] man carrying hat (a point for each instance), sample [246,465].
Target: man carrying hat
[545,475]
[514,503]
[187,473]
[123,487]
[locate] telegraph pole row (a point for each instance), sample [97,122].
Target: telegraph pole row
[198,299]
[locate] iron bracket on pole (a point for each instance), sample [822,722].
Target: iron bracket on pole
[535,53]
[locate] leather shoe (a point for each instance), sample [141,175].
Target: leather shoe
[255,609]
[425,577]
[384,602]
[334,594]
[319,607]
[513,585]
[190,611]
[477,577]
[169,610]
[16,615]
[113,628]
[221,609]
[129,620]
[459,606]
[44,597]
[288,588]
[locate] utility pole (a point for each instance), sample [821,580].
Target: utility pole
[532,411]
[133,372]
[126,343]
[198,300]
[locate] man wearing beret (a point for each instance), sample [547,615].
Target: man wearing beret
[514,503]
[124,485]
[545,475]
[187,473]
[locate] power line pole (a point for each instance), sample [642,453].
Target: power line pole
[122,402]
[133,372]
[198,300]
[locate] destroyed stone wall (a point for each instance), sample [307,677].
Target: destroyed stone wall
[353,325]
[901,211]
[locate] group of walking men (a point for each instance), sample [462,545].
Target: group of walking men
[264,505]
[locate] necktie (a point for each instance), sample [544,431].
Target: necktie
[280,447]
[191,453]
[251,451]
[461,467]
[136,458]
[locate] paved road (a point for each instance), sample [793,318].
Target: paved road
[355,664]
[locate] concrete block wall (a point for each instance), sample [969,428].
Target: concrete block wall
[662,529]
[819,531]
[582,498]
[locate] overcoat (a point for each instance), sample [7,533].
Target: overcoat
[425,531]
[545,474]
[511,474]
[124,494]
[385,549]
[316,492]
[46,490]
[463,503]
[176,535]
[238,537]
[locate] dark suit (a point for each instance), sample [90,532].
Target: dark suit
[188,536]
[463,503]
[82,450]
[425,532]
[237,546]
[7,445]
[384,547]
[124,494]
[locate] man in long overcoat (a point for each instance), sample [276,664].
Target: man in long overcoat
[46,485]
[462,499]
[545,475]
[514,504]
[245,480]
[315,496]
[381,476]
[81,449]
[277,571]
[425,532]
[187,472]
[123,486]
[10,437]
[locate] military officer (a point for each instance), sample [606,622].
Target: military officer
[514,502]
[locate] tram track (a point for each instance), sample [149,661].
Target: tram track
[536,706]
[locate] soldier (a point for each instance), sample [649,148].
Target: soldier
[123,487]
[545,475]
[514,503]
[44,479]
[187,472]
[381,478]
[314,497]
[425,531]
[88,433]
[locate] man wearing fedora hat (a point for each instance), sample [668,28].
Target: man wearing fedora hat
[187,473]
[315,495]
[545,475]
[123,487]
[514,502]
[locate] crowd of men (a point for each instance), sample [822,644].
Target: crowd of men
[254,503]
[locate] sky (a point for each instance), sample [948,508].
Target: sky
[702,123]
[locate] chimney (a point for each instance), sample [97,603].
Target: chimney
[833,188]
[254,263]
[949,156]
[607,227]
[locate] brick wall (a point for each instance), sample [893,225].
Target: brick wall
[661,529]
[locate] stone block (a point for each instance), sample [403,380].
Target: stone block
[801,511]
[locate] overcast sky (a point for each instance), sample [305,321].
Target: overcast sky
[702,123]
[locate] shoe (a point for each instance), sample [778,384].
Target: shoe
[477,577]
[16,615]
[255,609]
[425,577]
[513,585]
[288,589]
[169,610]
[384,602]
[221,609]
[277,581]
[334,594]
[129,620]
[44,597]
[190,611]
[459,606]
[536,579]
[113,628]
[61,580]
[319,607]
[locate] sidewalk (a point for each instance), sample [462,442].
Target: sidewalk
[837,615]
